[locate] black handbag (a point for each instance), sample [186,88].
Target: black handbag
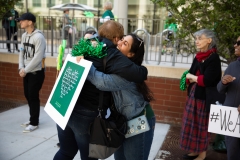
[106,135]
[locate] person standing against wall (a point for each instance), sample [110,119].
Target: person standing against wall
[10,25]
[205,73]
[67,30]
[32,67]
[107,15]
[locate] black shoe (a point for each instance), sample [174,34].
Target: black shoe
[17,50]
[9,51]
[186,156]
[58,144]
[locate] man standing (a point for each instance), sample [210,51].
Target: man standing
[31,67]
[10,25]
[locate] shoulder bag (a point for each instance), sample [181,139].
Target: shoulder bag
[106,135]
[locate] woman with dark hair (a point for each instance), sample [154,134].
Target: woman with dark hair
[130,99]
[205,72]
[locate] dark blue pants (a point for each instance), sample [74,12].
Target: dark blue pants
[137,147]
[233,148]
[32,84]
[75,136]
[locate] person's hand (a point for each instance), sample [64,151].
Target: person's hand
[22,72]
[239,108]
[192,78]
[78,58]
[191,81]
[227,79]
[10,18]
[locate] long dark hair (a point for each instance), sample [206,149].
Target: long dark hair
[138,49]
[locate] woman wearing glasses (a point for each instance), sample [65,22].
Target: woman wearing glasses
[131,99]
[205,72]
[230,84]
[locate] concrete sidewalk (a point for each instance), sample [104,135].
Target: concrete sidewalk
[41,143]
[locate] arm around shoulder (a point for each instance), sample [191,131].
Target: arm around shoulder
[124,67]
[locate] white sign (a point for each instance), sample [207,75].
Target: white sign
[66,90]
[224,120]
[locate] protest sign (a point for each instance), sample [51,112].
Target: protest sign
[224,120]
[66,90]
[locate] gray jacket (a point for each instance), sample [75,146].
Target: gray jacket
[32,51]
[232,89]
[128,101]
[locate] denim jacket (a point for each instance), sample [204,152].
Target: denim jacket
[128,101]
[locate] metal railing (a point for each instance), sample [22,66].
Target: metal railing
[54,32]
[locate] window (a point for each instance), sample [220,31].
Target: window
[50,3]
[36,3]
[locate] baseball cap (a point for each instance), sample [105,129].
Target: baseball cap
[27,16]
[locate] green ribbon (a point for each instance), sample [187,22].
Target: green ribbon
[183,84]
[87,47]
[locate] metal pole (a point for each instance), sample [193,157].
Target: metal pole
[27,5]
[98,12]
[51,36]
[154,16]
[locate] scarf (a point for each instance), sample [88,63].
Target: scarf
[204,55]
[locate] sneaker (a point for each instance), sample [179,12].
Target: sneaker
[30,128]
[25,124]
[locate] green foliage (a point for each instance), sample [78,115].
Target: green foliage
[6,5]
[222,16]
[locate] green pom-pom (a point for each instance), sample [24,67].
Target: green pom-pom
[183,84]
[85,48]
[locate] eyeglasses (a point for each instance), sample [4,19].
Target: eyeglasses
[140,40]
[237,43]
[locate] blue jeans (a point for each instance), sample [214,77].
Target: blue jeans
[137,147]
[75,136]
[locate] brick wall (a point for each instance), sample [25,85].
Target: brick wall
[168,105]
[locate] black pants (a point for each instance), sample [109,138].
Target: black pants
[69,37]
[32,84]
[233,148]
[9,32]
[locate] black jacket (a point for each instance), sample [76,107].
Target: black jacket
[116,63]
[211,69]
[6,22]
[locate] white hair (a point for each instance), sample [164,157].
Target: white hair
[209,34]
[108,5]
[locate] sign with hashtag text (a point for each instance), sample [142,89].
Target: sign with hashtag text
[224,120]
[66,90]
